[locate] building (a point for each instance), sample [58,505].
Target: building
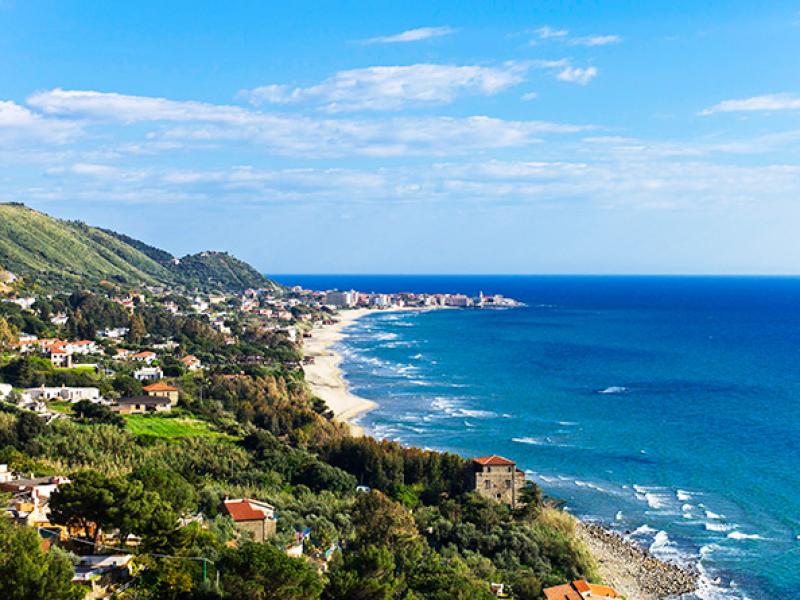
[192,363]
[145,356]
[70,394]
[148,374]
[5,390]
[162,390]
[341,299]
[497,478]
[60,358]
[139,405]
[580,590]
[252,518]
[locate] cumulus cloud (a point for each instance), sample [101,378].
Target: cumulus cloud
[767,102]
[577,75]
[391,87]
[412,35]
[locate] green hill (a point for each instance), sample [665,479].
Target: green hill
[63,254]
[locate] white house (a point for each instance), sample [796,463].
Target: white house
[148,374]
[71,394]
[5,390]
[113,333]
[145,356]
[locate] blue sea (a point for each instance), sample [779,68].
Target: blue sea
[666,407]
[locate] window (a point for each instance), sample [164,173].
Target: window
[487,484]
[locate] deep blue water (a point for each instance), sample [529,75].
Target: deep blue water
[667,407]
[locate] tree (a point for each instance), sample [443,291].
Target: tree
[380,520]
[262,572]
[125,385]
[97,413]
[171,486]
[27,428]
[87,502]
[366,574]
[136,330]
[7,334]
[28,573]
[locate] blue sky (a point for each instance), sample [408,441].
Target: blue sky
[415,137]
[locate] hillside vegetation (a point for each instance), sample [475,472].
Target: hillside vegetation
[56,253]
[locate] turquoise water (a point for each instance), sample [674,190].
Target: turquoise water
[665,407]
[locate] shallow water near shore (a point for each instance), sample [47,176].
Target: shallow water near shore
[665,407]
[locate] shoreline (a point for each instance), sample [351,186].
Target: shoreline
[325,377]
[632,570]
[624,565]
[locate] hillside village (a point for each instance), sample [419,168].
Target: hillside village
[159,442]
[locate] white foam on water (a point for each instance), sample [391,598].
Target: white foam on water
[529,440]
[656,498]
[475,414]
[713,515]
[614,389]
[738,535]
[619,516]
[683,496]
[712,526]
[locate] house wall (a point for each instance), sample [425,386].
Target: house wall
[496,482]
[260,530]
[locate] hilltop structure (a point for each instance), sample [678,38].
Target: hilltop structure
[497,478]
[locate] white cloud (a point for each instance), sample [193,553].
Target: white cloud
[412,35]
[19,123]
[392,87]
[608,181]
[596,40]
[547,32]
[767,102]
[197,123]
[530,96]
[577,75]
[131,109]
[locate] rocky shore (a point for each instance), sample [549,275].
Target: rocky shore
[632,570]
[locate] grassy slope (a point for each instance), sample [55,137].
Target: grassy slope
[36,245]
[65,253]
[168,427]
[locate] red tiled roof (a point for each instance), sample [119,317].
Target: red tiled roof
[242,510]
[581,586]
[159,387]
[493,460]
[576,589]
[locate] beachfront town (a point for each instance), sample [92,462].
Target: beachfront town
[151,362]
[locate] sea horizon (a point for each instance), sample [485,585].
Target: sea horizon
[629,398]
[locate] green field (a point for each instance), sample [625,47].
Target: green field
[168,427]
[60,406]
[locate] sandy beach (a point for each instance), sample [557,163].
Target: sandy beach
[324,376]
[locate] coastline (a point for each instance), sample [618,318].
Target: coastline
[324,376]
[633,571]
